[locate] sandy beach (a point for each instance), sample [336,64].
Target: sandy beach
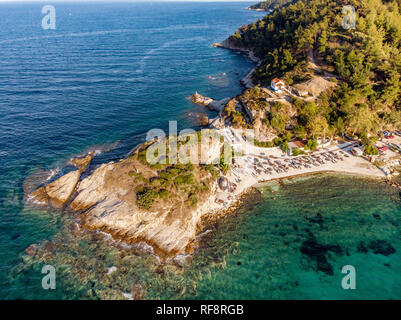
[260,165]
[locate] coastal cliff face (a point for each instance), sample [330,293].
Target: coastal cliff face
[162,205]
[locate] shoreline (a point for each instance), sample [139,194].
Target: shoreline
[226,45]
[210,210]
[316,173]
[246,80]
[258,9]
[208,220]
[239,198]
[247,199]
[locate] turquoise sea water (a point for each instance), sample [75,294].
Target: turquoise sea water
[294,244]
[105,76]
[290,241]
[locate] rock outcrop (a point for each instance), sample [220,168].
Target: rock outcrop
[247,81]
[108,201]
[214,105]
[218,105]
[91,190]
[83,162]
[228,44]
[201,100]
[58,192]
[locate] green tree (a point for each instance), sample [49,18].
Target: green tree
[370,150]
[285,146]
[311,144]
[323,42]
[316,125]
[361,119]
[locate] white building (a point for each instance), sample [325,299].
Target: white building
[277,85]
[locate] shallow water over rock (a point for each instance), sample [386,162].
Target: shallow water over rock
[290,244]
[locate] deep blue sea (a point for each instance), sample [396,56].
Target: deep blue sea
[100,81]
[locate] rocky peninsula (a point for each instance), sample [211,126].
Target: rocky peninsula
[165,203]
[134,201]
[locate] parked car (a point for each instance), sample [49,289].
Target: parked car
[357,152]
[347,137]
[389,137]
[382,148]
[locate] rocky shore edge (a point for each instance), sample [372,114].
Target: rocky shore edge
[52,194]
[88,195]
[227,44]
[247,80]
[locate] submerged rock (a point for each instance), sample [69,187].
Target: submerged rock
[317,219]
[137,292]
[318,252]
[362,248]
[377,246]
[48,246]
[199,118]
[203,120]
[31,250]
[381,247]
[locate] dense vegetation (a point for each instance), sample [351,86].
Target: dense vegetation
[165,182]
[366,62]
[269,4]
